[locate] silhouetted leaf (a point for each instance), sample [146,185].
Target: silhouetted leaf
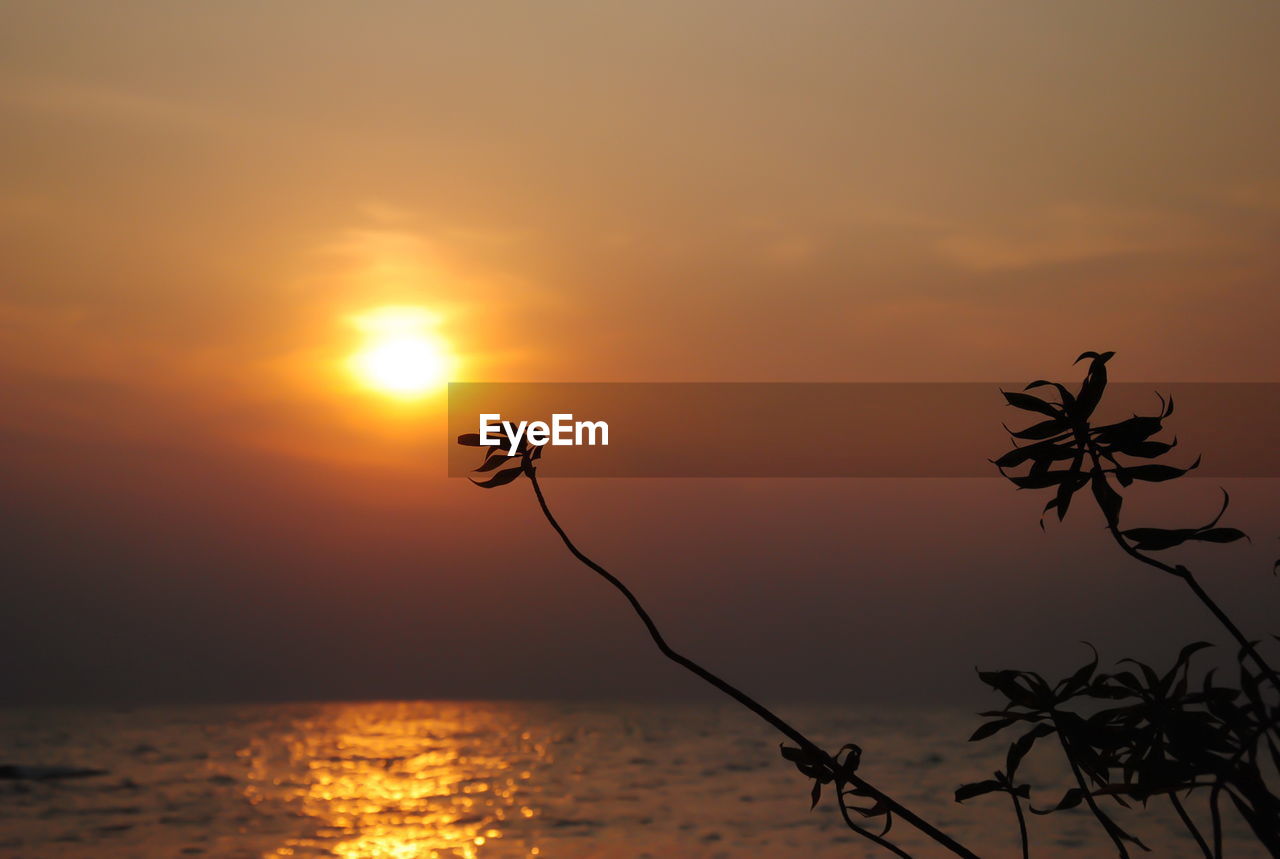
[1068,488]
[1080,679]
[987,729]
[1070,799]
[1029,403]
[1093,386]
[1019,748]
[1046,479]
[1068,399]
[1220,535]
[1128,432]
[1006,682]
[496,459]
[852,759]
[1042,430]
[1159,473]
[1041,452]
[1109,501]
[792,754]
[1157,539]
[977,788]
[1184,655]
[815,795]
[470,439]
[502,478]
[1147,449]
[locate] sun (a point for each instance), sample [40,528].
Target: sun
[401,356]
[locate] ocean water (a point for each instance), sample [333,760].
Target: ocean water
[497,779]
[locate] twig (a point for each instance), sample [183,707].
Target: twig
[1190,824]
[742,698]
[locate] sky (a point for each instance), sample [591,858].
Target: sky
[197,203]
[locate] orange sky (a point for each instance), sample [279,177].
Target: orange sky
[195,199]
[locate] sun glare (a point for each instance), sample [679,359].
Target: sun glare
[401,355]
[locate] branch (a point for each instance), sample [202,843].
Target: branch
[750,703]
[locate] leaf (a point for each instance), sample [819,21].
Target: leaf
[1160,473]
[1045,479]
[1093,386]
[1109,501]
[496,459]
[1157,539]
[989,728]
[793,754]
[1070,799]
[977,788]
[1006,683]
[1068,488]
[1041,451]
[1220,535]
[1147,449]
[1029,403]
[808,763]
[1080,679]
[470,439]
[816,795]
[1019,748]
[502,478]
[1068,399]
[1226,502]
[1184,656]
[1042,430]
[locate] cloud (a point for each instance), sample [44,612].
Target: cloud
[98,102]
[1078,233]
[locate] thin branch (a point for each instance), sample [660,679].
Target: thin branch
[1104,821]
[742,698]
[1022,826]
[1113,527]
[863,831]
[1190,824]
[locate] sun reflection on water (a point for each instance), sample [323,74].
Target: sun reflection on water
[384,781]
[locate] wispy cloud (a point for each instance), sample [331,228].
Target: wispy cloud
[99,102]
[1079,233]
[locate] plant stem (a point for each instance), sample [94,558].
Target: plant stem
[1113,527]
[742,698]
[864,832]
[1190,824]
[1207,601]
[1022,826]
[1098,813]
[1215,816]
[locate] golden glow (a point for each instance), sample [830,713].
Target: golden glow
[402,356]
[371,786]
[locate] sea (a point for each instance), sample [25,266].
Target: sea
[511,779]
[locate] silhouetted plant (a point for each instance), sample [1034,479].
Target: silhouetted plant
[1135,734]
[1127,736]
[839,770]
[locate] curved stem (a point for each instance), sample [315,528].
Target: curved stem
[1113,527]
[1190,824]
[742,698]
[1201,594]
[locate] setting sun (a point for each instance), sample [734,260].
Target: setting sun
[401,355]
